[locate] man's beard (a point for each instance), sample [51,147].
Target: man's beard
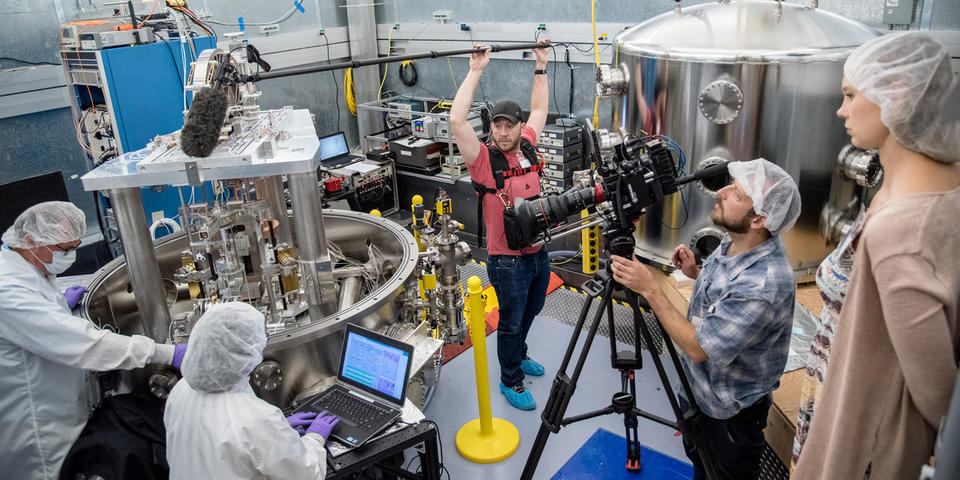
[509,147]
[740,226]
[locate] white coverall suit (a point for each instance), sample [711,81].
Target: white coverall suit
[235,435]
[45,353]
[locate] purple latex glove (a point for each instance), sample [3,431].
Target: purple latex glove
[74,295]
[323,424]
[300,421]
[178,352]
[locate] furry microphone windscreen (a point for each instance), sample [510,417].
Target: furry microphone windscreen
[204,119]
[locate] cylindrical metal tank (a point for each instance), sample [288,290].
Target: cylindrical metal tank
[305,355]
[735,82]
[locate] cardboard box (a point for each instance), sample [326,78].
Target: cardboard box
[782,419]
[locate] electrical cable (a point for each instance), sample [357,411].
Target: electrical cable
[686,214]
[386,66]
[450,66]
[408,66]
[282,19]
[348,91]
[149,14]
[336,85]
[439,443]
[572,257]
[177,67]
[553,82]
[596,52]
[186,12]
[480,81]
[566,59]
[28,62]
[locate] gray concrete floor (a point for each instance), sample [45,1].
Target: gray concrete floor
[455,404]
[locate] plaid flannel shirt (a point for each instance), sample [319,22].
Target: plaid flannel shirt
[742,308]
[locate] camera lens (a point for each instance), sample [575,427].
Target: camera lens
[538,214]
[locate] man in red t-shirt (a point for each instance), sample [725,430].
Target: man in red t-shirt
[520,277]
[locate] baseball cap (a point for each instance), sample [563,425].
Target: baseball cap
[507,109]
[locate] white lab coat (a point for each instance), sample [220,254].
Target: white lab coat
[235,435]
[45,353]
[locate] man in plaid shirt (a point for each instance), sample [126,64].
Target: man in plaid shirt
[736,336]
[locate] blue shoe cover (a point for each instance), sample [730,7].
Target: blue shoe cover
[519,399]
[531,367]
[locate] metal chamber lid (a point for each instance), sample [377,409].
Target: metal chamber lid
[746,31]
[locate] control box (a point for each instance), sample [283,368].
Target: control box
[560,136]
[443,127]
[416,154]
[401,108]
[569,153]
[114,38]
[561,147]
[375,184]
[424,127]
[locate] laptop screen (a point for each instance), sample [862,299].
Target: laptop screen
[333,146]
[375,363]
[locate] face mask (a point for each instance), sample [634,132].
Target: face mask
[61,261]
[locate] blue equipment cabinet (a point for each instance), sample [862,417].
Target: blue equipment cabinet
[141,87]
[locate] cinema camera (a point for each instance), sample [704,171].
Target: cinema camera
[634,175]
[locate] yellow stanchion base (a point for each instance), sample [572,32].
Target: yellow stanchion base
[491,448]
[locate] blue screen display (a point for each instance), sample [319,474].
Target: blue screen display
[375,365]
[333,146]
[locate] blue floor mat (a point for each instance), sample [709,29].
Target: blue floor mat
[603,455]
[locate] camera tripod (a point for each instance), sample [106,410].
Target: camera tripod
[688,422]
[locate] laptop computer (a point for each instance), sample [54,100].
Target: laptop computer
[334,151]
[371,385]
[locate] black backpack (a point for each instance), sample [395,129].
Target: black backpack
[501,171]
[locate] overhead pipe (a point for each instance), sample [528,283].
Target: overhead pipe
[400,58]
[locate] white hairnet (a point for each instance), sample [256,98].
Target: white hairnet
[773,191]
[225,346]
[908,76]
[47,223]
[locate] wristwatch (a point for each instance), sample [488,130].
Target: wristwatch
[540,71]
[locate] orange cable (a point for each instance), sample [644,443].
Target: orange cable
[149,14]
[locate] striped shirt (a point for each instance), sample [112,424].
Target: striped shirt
[742,308]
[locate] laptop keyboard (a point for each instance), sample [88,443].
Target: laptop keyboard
[344,405]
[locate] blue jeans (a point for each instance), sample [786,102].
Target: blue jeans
[521,285]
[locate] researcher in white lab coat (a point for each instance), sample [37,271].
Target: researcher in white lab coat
[217,427]
[45,351]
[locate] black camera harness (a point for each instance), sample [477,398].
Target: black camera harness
[501,171]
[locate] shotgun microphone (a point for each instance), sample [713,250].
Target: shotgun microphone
[202,124]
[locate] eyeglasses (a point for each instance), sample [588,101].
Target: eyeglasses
[68,249]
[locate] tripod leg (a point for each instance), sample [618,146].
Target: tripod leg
[633,442]
[629,382]
[563,386]
[648,339]
[688,425]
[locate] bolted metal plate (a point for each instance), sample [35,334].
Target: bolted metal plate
[720,102]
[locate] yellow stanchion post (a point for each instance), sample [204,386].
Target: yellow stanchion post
[416,208]
[486,439]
